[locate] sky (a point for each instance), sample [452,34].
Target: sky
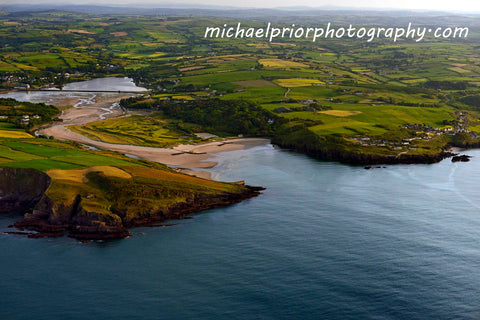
[452,5]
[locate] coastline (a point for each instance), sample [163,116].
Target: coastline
[358,158]
[188,156]
[86,214]
[184,156]
[331,149]
[51,215]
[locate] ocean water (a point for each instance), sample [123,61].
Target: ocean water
[324,241]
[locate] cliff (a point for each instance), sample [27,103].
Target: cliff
[21,189]
[337,149]
[102,202]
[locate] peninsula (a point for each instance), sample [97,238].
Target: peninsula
[100,155]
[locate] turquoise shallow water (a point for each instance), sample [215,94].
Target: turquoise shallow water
[324,241]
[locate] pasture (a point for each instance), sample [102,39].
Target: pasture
[136,130]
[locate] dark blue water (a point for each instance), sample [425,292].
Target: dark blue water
[325,241]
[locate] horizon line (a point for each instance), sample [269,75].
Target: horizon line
[187,6]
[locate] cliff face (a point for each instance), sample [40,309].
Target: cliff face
[53,218]
[193,203]
[102,202]
[21,189]
[368,159]
[306,142]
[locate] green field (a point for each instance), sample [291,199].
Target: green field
[334,87]
[44,154]
[97,190]
[152,131]
[335,99]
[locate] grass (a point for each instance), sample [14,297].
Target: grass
[80,174]
[104,188]
[254,83]
[44,155]
[116,195]
[371,88]
[260,94]
[42,164]
[136,130]
[312,92]
[360,119]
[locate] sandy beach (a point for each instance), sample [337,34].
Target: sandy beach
[192,156]
[184,156]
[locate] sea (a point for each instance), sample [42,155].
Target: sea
[323,241]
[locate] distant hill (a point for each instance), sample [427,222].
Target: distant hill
[284,14]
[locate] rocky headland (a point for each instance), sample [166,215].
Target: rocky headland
[105,205]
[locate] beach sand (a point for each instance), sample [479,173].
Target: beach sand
[184,156]
[190,156]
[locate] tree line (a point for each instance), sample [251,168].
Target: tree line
[224,117]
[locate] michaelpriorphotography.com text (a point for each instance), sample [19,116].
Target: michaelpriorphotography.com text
[271,32]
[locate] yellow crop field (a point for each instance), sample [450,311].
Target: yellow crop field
[340,113]
[25,67]
[259,45]
[79,31]
[119,33]
[180,97]
[414,80]
[459,70]
[78,175]
[279,63]
[459,65]
[294,82]
[191,68]
[14,134]
[5,160]
[284,44]
[156,54]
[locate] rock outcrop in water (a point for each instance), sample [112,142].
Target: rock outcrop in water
[102,206]
[461,158]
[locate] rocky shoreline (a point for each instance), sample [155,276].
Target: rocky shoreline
[331,149]
[26,190]
[357,158]
[21,188]
[49,218]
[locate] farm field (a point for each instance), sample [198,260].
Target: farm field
[137,130]
[402,96]
[44,154]
[94,194]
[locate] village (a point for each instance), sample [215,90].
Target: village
[422,133]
